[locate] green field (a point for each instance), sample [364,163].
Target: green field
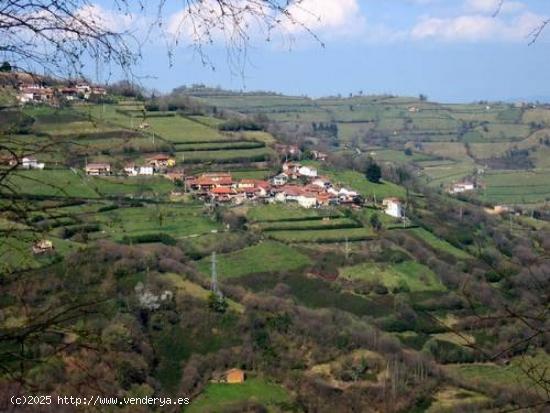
[278,212]
[489,374]
[323,235]
[268,256]
[358,182]
[408,275]
[252,155]
[180,130]
[332,223]
[174,220]
[139,186]
[438,243]
[218,396]
[510,187]
[16,250]
[58,183]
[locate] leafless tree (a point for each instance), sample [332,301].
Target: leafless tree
[54,35]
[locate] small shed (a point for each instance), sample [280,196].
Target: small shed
[234,376]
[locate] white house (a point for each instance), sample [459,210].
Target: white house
[30,162]
[84,89]
[462,187]
[307,200]
[394,207]
[96,169]
[307,171]
[131,170]
[146,170]
[280,179]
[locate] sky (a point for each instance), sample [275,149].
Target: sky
[449,50]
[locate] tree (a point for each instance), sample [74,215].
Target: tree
[6,67]
[375,222]
[373,172]
[61,35]
[217,303]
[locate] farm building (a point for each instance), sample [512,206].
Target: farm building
[319,156]
[209,181]
[280,179]
[35,94]
[27,162]
[307,171]
[234,376]
[131,170]
[462,187]
[42,247]
[394,207]
[69,93]
[161,161]
[96,169]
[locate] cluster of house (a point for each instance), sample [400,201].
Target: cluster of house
[297,183]
[155,164]
[294,152]
[36,93]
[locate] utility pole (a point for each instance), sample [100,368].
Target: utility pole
[214,276]
[347,248]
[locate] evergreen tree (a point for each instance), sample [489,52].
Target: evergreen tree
[373,173]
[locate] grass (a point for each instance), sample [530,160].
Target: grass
[251,174]
[409,275]
[55,183]
[180,130]
[218,146]
[131,186]
[217,396]
[177,221]
[439,244]
[252,155]
[451,399]
[195,290]
[333,223]
[490,374]
[16,251]
[323,235]
[316,293]
[517,187]
[357,181]
[268,256]
[277,212]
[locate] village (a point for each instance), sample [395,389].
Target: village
[296,183]
[33,89]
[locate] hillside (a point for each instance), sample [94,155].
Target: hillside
[445,143]
[339,307]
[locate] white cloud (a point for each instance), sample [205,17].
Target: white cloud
[477,28]
[342,16]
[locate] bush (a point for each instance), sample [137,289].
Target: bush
[149,238]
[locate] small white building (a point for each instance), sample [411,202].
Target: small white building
[307,200]
[462,187]
[146,170]
[131,170]
[393,207]
[307,171]
[96,169]
[30,162]
[280,179]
